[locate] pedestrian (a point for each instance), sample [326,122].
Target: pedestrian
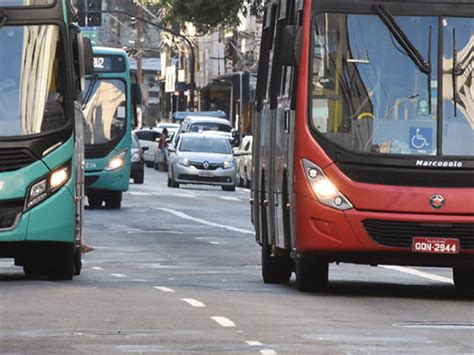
[163,147]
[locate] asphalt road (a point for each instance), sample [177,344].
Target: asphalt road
[177,271]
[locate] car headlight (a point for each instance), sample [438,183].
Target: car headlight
[41,190]
[184,162]
[326,192]
[136,158]
[228,164]
[118,161]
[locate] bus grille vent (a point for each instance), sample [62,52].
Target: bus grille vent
[15,159]
[401,234]
[9,213]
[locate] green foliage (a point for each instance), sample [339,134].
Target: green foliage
[207,14]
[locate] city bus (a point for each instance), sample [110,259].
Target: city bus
[364,141]
[108,128]
[43,60]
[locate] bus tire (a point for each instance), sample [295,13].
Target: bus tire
[311,275]
[95,201]
[77,261]
[275,269]
[464,279]
[62,263]
[114,200]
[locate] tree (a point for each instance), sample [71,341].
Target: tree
[207,14]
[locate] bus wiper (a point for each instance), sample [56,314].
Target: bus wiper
[402,38]
[3,19]
[457,71]
[90,89]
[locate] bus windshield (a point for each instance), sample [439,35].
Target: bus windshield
[32,80]
[370,96]
[106,111]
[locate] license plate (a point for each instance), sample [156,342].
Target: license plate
[206,174]
[435,245]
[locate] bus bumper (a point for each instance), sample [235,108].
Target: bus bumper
[118,180]
[53,221]
[353,236]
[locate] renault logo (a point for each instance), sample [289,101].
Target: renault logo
[206,165]
[437,202]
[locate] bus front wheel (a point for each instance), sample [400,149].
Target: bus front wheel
[311,274]
[114,200]
[463,278]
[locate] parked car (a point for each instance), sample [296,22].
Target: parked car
[137,172]
[202,158]
[149,137]
[169,126]
[243,160]
[181,115]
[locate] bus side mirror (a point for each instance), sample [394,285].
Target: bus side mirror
[88,56]
[291,43]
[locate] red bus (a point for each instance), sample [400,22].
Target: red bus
[364,137]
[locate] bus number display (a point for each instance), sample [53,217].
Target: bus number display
[109,64]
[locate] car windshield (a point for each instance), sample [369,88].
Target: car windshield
[369,96]
[32,81]
[204,145]
[209,126]
[106,111]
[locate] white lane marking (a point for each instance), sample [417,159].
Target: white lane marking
[193,302]
[202,221]
[418,273]
[119,275]
[185,195]
[97,268]
[163,289]
[225,198]
[268,352]
[152,232]
[223,322]
[253,343]
[139,280]
[134,193]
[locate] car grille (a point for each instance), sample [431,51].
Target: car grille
[9,212]
[90,180]
[15,159]
[401,234]
[211,179]
[211,167]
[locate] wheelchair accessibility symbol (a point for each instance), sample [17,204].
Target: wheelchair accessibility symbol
[421,138]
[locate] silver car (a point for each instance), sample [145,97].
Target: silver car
[204,159]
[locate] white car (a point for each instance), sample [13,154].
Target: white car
[243,159]
[149,138]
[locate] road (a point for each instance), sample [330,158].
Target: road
[177,271]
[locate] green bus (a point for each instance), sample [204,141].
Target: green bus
[108,128]
[43,61]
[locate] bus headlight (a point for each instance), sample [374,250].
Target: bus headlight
[118,161]
[41,190]
[326,192]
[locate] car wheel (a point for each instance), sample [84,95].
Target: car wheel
[114,200]
[228,188]
[311,274]
[149,164]
[140,178]
[463,279]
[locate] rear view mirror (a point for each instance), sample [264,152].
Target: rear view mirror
[171,149]
[144,149]
[88,56]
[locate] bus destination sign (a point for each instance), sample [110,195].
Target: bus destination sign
[109,64]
